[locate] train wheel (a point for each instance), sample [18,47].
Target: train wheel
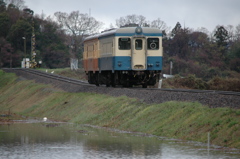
[90,78]
[108,80]
[113,79]
[144,85]
[97,79]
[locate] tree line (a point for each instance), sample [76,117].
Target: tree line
[200,52]
[16,26]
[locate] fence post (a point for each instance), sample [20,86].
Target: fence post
[160,84]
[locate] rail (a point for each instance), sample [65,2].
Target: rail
[52,76]
[81,82]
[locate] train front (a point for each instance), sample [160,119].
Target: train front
[144,47]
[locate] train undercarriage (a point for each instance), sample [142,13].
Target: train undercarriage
[124,78]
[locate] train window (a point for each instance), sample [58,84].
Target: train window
[153,43]
[138,44]
[124,43]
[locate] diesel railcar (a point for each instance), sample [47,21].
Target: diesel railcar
[124,56]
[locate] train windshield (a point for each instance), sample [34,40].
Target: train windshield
[124,43]
[138,44]
[153,43]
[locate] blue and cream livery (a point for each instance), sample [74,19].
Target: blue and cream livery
[125,56]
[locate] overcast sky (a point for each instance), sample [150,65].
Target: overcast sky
[193,13]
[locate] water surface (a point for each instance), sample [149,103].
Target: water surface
[44,140]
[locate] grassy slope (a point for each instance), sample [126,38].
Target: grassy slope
[79,74]
[185,120]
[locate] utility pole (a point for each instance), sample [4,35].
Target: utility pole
[171,67]
[25,54]
[33,40]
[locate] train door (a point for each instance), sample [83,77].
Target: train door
[138,54]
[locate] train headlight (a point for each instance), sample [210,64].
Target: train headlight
[153,46]
[138,30]
[150,65]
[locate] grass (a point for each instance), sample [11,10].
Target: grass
[79,74]
[191,82]
[184,120]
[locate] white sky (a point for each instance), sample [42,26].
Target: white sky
[193,13]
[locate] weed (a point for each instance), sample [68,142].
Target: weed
[228,120]
[217,123]
[214,136]
[232,123]
[237,112]
[29,110]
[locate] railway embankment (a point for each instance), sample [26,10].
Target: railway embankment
[175,119]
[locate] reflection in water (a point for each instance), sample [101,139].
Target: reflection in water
[60,140]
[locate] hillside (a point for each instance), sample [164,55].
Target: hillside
[182,120]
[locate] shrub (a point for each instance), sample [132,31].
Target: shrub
[212,72]
[190,82]
[228,84]
[235,64]
[232,124]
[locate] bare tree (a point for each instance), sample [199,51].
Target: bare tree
[230,30]
[131,19]
[158,23]
[237,32]
[77,25]
[17,3]
[111,26]
[203,30]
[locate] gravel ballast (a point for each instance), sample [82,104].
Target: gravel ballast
[150,96]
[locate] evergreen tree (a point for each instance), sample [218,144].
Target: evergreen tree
[221,36]
[176,29]
[4,24]
[2,6]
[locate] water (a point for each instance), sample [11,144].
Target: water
[41,140]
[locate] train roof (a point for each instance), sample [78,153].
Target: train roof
[129,31]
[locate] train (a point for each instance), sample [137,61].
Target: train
[128,56]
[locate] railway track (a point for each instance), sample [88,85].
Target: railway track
[85,83]
[51,76]
[210,98]
[201,91]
